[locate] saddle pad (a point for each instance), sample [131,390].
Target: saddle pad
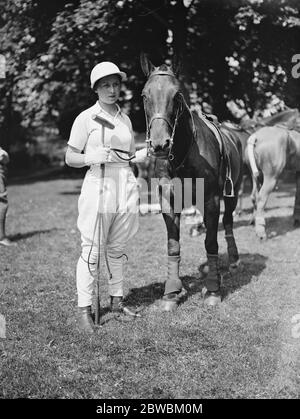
[214,130]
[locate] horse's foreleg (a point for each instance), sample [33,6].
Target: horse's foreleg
[173,283]
[296,214]
[233,254]
[213,278]
[173,286]
[262,198]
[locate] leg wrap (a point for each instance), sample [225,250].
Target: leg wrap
[233,254]
[213,279]
[173,283]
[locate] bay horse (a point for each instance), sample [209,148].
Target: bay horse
[269,151]
[185,146]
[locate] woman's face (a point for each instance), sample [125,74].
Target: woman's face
[108,89]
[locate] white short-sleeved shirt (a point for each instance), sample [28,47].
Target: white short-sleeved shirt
[86,132]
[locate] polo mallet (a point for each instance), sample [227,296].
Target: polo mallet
[104,124]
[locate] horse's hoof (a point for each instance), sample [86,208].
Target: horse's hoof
[212,298]
[261,233]
[170,302]
[234,266]
[262,236]
[169,305]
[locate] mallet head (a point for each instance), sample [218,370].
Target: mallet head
[102,121]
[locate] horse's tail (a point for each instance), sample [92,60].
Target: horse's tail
[251,144]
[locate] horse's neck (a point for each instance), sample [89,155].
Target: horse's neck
[185,130]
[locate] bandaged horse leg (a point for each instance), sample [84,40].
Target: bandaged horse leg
[86,272]
[233,255]
[173,286]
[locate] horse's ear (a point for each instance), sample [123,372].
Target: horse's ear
[176,64]
[146,64]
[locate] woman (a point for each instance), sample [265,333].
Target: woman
[88,146]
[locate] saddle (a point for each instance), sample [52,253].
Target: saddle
[221,136]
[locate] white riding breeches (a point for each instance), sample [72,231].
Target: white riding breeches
[119,223]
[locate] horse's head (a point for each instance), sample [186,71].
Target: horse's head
[163,106]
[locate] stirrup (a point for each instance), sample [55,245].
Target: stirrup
[228,193]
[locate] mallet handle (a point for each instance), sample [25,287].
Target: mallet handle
[101,180]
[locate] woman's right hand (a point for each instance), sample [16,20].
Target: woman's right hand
[98,156]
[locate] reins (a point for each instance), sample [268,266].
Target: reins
[117,151]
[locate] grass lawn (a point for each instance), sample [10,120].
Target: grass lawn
[243,349]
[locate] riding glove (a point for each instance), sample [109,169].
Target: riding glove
[140,155]
[98,156]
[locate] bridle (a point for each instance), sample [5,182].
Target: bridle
[167,120]
[180,109]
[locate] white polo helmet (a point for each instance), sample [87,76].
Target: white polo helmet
[106,68]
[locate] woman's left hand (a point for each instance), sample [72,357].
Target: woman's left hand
[140,155]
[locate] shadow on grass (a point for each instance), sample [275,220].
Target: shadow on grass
[146,295]
[77,192]
[275,226]
[251,267]
[21,236]
[279,226]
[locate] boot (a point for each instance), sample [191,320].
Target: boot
[117,306]
[85,320]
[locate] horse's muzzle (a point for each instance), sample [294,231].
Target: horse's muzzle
[161,151]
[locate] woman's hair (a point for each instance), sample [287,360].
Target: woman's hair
[98,81]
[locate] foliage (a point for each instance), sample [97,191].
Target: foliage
[233,50]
